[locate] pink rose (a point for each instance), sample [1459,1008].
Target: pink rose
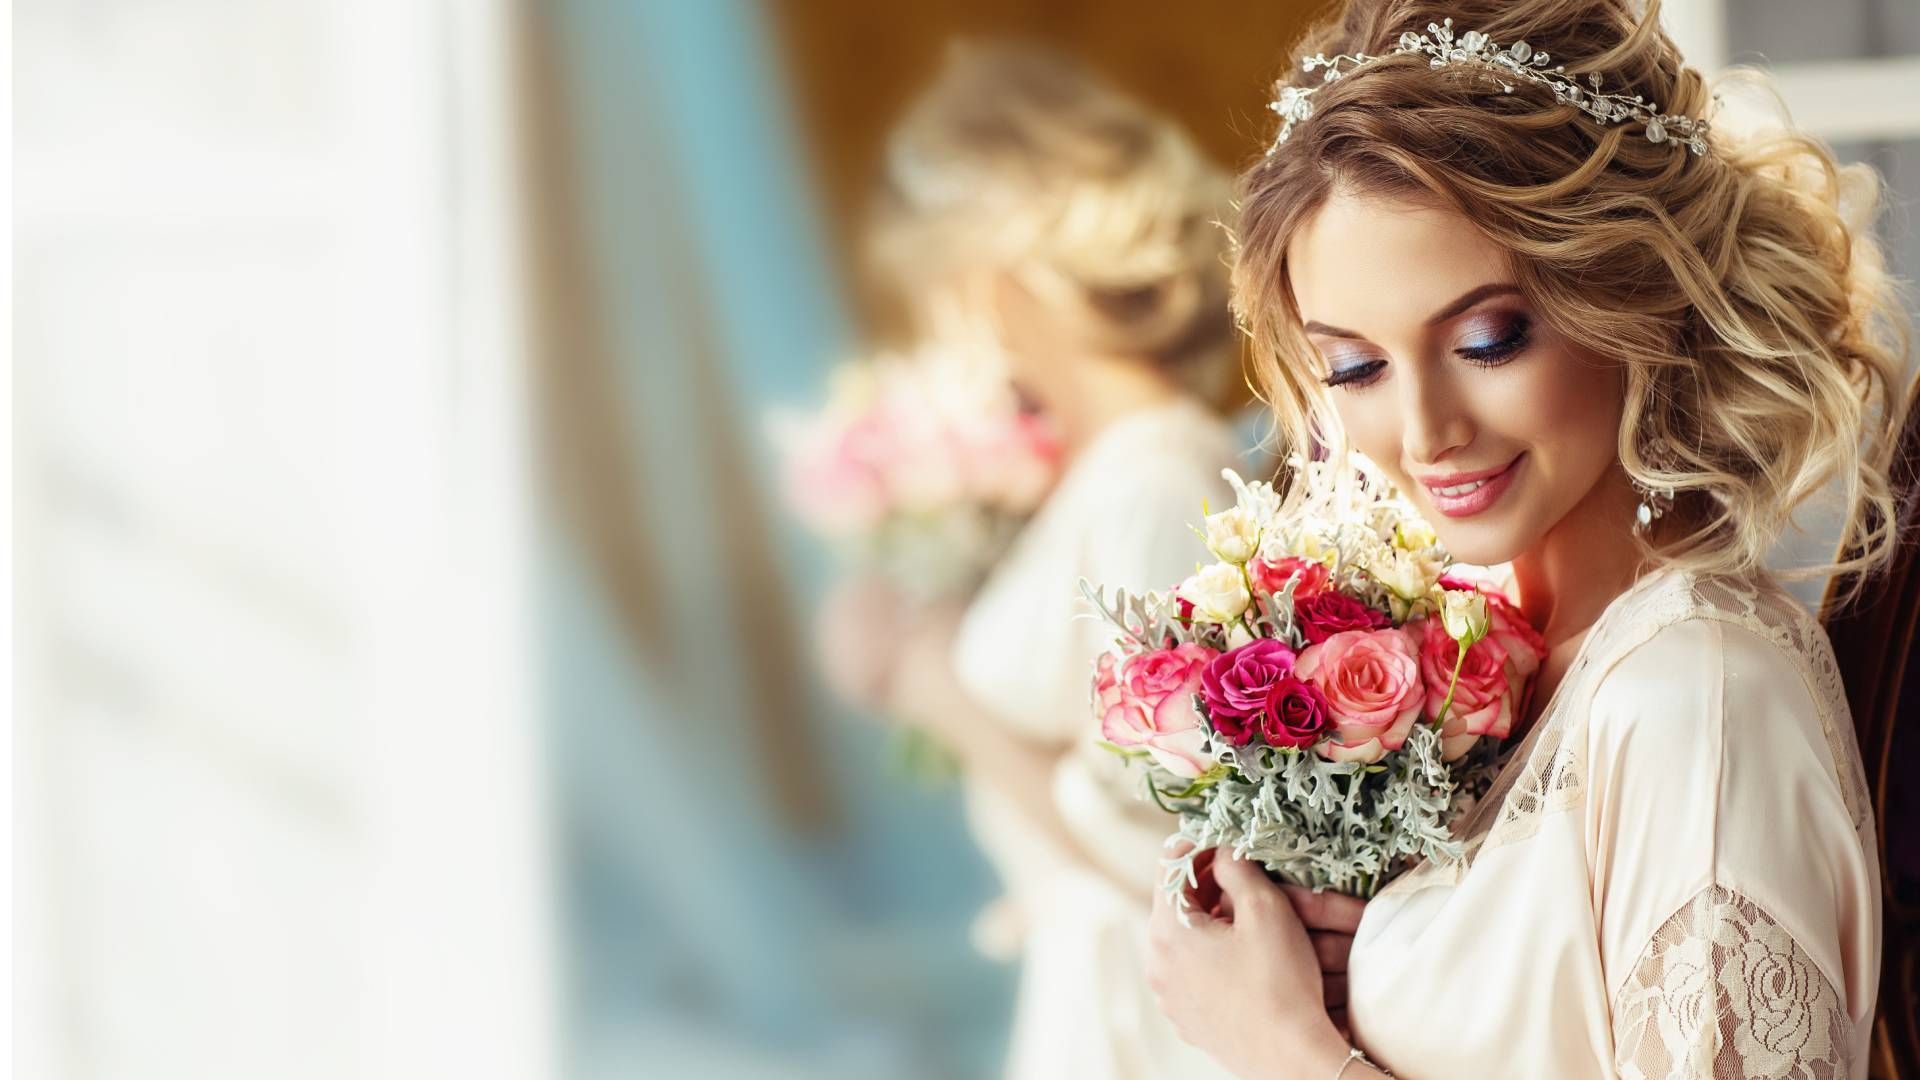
[1523,643]
[1327,613]
[1012,464]
[1526,649]
[1494,678]
[1235,686]
[1371,682]
[1296,714]
[1482,700]
[1273,576]
[1147,701]
[1106,688]
[834,482]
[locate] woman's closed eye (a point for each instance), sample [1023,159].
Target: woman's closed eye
[1495,340]
[1488,341]
[1354,370]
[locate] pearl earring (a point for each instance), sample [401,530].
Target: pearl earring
[1654,501]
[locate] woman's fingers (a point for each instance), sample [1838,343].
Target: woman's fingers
[1331,950]
[1247,887]
[1326,910]
[1334,989]
[1165,921]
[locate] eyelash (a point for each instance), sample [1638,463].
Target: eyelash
[1358,373]
[1492,354]
[1495,353]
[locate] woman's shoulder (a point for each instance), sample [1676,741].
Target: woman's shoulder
[1694,619]
[1701,670]
[1155,470]
[1179,441]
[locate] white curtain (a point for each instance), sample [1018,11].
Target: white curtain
[278,811]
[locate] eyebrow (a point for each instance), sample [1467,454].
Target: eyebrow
[1464,301]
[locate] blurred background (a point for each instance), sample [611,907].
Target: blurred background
[411,662]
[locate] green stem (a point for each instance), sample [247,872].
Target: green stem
[1440,721]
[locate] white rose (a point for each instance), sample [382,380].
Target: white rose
[1233,535]
[1406,574]
[1218,593]
[1464,614]
[1412,534]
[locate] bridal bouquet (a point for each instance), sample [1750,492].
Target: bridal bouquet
[1327,696]
[920,467]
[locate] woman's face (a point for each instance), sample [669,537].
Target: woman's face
[984,308]
[1497,428]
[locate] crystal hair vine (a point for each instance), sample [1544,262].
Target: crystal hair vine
[1513,63]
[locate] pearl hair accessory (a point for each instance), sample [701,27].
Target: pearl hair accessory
[1513,63]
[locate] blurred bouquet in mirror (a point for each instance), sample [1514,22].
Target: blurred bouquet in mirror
[920,468]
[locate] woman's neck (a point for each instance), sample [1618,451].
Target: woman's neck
[1584,562]
[1084,397]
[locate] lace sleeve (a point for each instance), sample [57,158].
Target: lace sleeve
[1723,991]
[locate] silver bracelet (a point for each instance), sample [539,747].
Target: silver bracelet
[1354,1054]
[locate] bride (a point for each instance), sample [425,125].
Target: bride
[1598,341]
[1026,195]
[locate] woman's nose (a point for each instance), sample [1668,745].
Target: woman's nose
[1435,421]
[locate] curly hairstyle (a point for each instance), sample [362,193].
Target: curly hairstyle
[1759,337]
[1021,159]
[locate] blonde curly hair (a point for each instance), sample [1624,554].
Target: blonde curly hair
[1760,339]
[1017,158]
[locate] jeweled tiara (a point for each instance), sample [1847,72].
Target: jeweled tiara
[1509,63]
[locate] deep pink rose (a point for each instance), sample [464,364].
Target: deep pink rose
[1327,613]
[1295,715]
[1147,701]
[1273,576]
[1371,682]
[1235,686]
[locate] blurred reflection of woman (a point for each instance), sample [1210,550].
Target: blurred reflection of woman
[1028,197]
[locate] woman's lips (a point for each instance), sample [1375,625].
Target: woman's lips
[1470,493]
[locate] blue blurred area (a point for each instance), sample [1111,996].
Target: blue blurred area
[704,931]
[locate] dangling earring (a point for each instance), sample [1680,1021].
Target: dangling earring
[1654,501]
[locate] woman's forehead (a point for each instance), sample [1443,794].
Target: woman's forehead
[1371,264]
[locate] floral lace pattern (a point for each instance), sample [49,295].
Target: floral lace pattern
[1723,991]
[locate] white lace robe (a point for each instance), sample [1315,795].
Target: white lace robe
[1673,877]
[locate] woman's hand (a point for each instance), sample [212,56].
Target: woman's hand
[1331,919]
[858,632]
[923,689]
[1245,985]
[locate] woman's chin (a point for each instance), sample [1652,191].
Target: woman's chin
[1480,544]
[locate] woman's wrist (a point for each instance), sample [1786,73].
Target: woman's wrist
[1319,1051]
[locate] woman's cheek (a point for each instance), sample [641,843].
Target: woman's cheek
[1554,398]
[1373,427]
